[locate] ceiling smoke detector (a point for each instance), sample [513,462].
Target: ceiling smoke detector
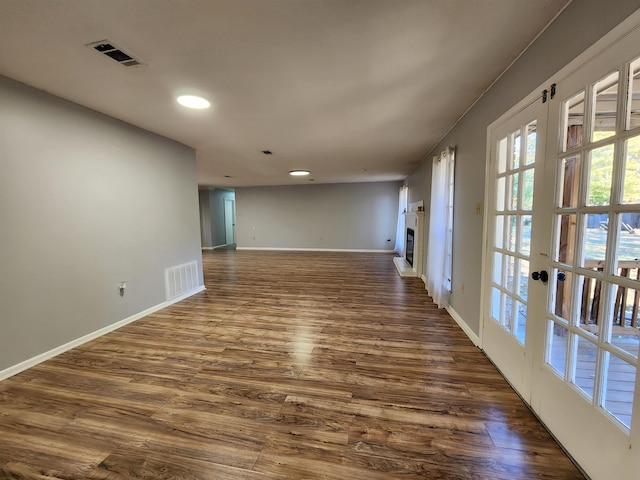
[114,52]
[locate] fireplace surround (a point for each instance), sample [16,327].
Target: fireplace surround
[409,262]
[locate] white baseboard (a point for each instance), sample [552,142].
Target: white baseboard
[286,249]
[463,325]
[424,280]
[32,362]
[214,247]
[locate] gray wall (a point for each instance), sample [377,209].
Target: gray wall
[205,219]
[339,216]
[577,28]
[85,201]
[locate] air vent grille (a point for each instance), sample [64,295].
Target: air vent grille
[181,279]
[109,49]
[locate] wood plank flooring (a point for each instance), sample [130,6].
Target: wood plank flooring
[290,366]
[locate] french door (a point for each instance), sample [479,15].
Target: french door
[517,166]
[561,291]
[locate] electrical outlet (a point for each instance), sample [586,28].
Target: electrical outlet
[121,288]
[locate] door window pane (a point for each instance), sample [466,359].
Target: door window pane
[574,121]
[525,234]
[502,155]
[515,149]
[557,348]
[527,189]
[628,244]
[512,232]
[563,294]
[595,240]
[631,189]
[500,193]
[499,231]
[566,238]
[585,368]
[621,382]
[605,107]
[532,136]
[507,321]
[521,322]
[513,187]
[495,304]
[497,268]
[600,175]
[510,266]
[523,283]
[591,304]
[570,181]
[626,321]
[634,100]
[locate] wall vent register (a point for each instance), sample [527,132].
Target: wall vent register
[181,279]
[109,49]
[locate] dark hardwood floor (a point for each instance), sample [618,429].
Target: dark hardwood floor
[290,366]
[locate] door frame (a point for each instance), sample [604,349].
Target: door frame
[230,223]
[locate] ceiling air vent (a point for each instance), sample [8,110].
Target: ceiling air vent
[112,51]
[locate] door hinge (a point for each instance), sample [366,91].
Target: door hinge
[549,94]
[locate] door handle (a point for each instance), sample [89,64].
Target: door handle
[541,275]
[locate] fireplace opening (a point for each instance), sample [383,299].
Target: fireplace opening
[409,254]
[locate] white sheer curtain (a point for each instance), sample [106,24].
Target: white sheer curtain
[440,222]
[400,231]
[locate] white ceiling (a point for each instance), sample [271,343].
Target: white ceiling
[353,90]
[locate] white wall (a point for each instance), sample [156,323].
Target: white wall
[578,27]
[85,201]
[355,216]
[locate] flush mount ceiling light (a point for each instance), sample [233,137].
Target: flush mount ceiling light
[192,101]
[299,173]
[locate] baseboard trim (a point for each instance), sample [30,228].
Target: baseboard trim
[463,325]
[424,280]
[32,362]
[286,249]
[215,247]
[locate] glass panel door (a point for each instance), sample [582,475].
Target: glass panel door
[585,386]
[516,146]
[570,208]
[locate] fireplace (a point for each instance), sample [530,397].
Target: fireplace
[409,254]
[409,262]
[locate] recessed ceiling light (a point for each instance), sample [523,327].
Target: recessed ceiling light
[192,101]
[299,173]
